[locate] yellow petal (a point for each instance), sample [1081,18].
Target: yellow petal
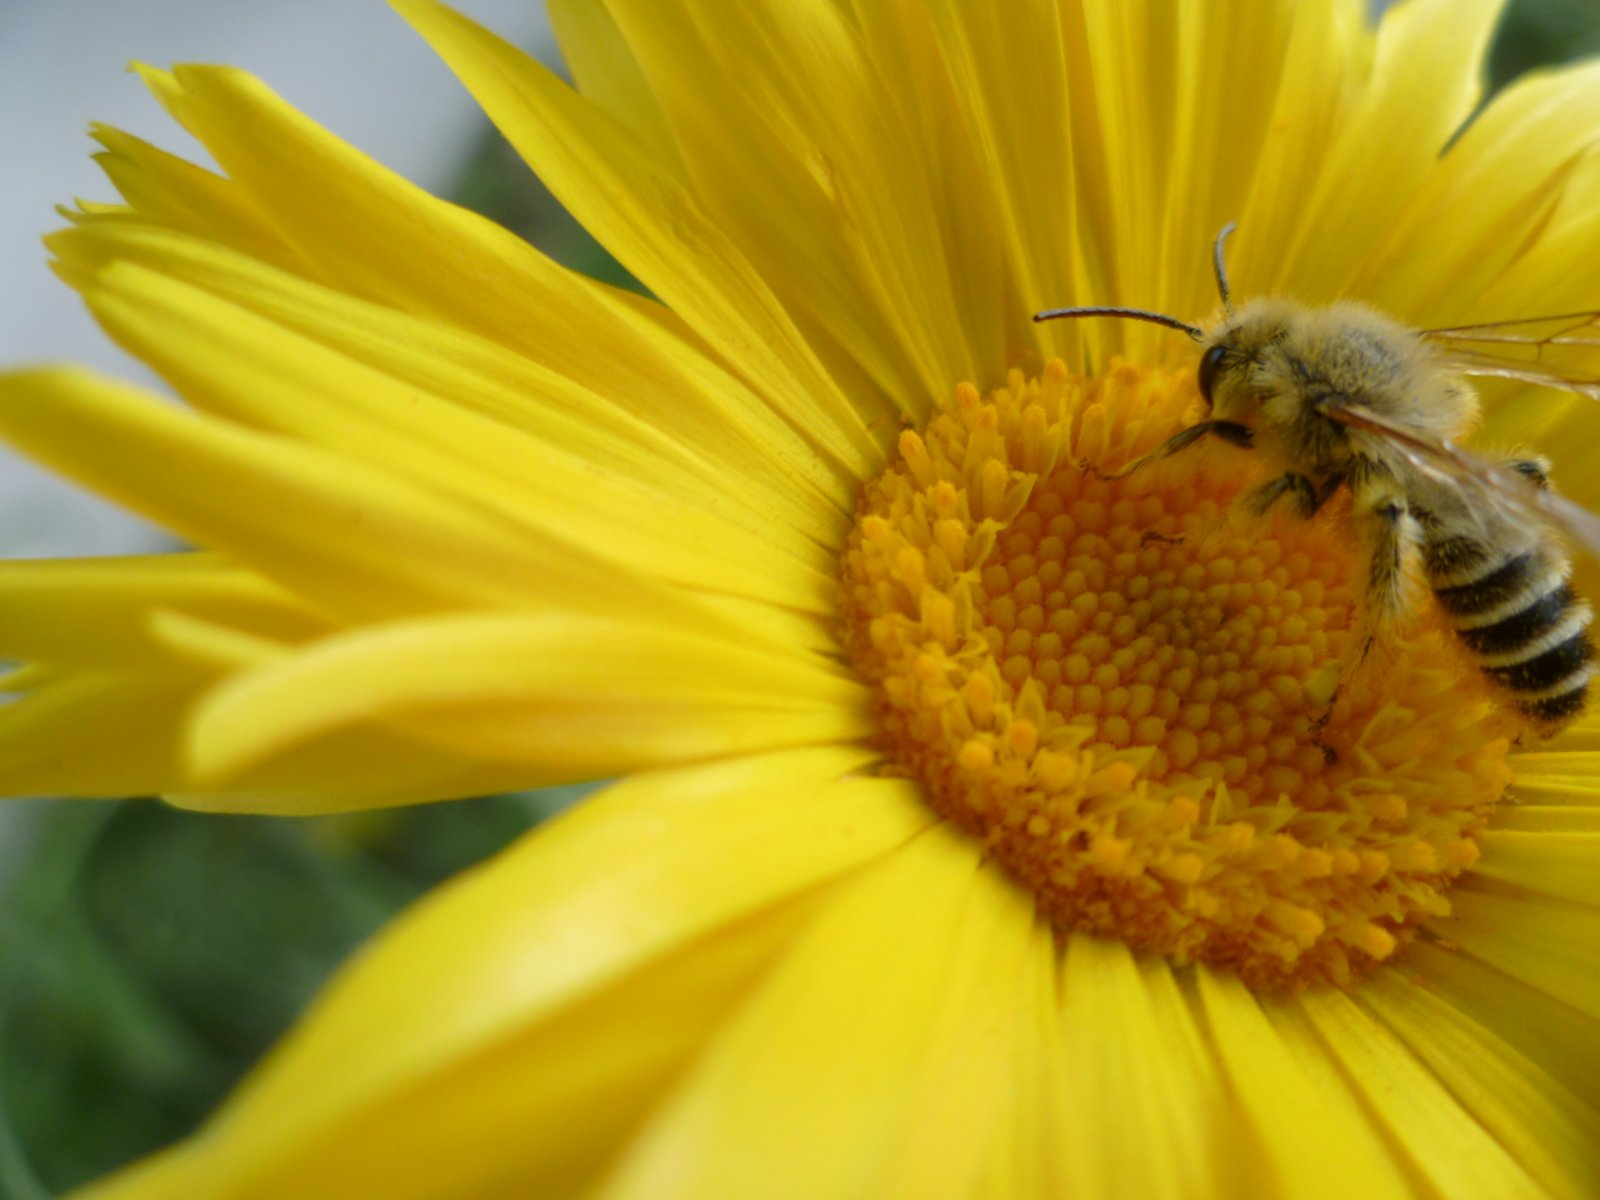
[681,441]
[1545,943]
[334,530]
[568,697]
[224,358]
[627,200]
[1313,1137]
[1459,251]
[1169,132]
[1548,818]
[95,613]
[769,153]
[164,188]
[1558,778]
[1153,1073]
[1455,1154]
[1326,63]
[475,1127]
[606,71]
[548,955]
[1533,1023]
[1425,81]
[920,78]
[97,735]
[1029,1155]
[1554,864]
[1550,1132]
[91,735]
[1007,63]
[903,992]
[356,224]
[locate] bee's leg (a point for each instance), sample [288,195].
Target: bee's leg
[1392,536]
[1229,431]
[1306,496]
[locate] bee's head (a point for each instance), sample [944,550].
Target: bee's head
[1231,354]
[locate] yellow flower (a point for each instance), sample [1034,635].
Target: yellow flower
[980,834]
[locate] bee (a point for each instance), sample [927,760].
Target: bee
[1346,398]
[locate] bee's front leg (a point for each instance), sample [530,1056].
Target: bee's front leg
[1229,431]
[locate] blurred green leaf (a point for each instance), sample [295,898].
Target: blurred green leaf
[1538,33]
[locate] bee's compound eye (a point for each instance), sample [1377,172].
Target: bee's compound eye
[1210,363]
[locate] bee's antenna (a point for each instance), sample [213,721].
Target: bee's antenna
[1221,267]
[1136,314]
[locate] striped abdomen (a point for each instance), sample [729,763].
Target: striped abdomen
[1516,612]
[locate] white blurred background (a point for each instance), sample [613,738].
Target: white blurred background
[352,65]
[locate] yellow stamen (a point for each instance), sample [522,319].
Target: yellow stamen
[1129,692]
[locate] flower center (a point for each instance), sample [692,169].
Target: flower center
[1143,702]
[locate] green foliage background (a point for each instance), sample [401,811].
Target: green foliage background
[150,956]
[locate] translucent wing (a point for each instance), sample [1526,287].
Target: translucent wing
[1557,352]
[1445,461]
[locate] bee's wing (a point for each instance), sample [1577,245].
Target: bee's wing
[1445,461]
[1557,352]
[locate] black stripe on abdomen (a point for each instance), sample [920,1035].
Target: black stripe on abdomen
[1487,592]
[1526,625]
[1562,707]
[1548,667]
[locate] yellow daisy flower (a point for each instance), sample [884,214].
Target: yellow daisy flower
[980,834]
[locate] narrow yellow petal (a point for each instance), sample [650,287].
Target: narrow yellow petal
[496,1122]
[1546,943]
[904,987]
[96,612]
[1548,818]
[770,152]
[357,223]
[1219,129]
[570,697]
[1558,778]
[87,734]
[91,735]
[1442,1142]
[634,875]
[1551,1133]
[1531,1021]
[1554,864]
[626,199]
[1326,64]
[1314,1139]
[1428,67]
[336,531]
[679,439]
[922,81]
[1458,253]
[1151,1072]
[964,1103]
[1008,66]
[333,529]
[1029,1154]
[1163,117]
[605,70]
[1543,273]
[166,189]
[224,358]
